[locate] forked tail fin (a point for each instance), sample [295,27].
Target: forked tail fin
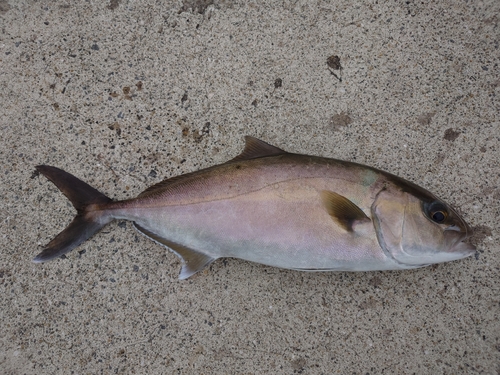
[91,216]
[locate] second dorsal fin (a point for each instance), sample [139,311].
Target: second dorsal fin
[255,148]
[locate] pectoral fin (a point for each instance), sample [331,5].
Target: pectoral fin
[193,261]
[342,210]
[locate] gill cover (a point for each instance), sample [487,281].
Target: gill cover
[409,234]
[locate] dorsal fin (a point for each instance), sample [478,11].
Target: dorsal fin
[342,210]
[255,148]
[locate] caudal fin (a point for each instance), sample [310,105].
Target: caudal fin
[89,219]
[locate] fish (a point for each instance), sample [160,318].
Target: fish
[280,209]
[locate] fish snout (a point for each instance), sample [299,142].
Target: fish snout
[464,248]
[457,235]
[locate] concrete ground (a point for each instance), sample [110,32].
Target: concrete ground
[125,93]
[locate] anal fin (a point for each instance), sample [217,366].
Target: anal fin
[342,210]
[193,261]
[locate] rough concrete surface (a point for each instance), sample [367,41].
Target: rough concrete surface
[125,93]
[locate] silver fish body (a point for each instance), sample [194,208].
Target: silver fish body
[280,209]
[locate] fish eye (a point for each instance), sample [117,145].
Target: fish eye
[436,211]
[438,216]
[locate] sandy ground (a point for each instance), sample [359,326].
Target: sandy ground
[125,93]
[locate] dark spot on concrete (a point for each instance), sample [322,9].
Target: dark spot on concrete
[368,303]
[95,47]
[254,103]
[413,7]
[480,232]
[440,158]
[56,106]
[152,174]
[185,132]
[340,120]
[489,21]
[299,364]
[139,85]
[199,134]
[278,83]
[116,127]
[35,174]
[199,6]
[496,195]
[184,97]
[425,119]
[482,149]
[375,281]
[126,93]
[333,62]
[113,4]
[489,190]
[4,6]
[5,273]
[450,134]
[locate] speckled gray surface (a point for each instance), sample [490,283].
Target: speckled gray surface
[123,94]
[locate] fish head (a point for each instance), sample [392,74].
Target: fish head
[415,228]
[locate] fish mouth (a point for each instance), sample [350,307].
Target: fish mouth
[466,249]
[463,231]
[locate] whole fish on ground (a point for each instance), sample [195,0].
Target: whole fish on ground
[280,209]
